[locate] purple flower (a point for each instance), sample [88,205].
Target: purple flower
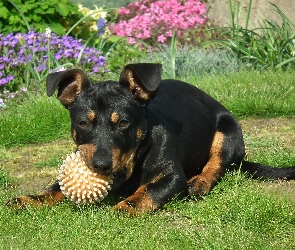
[10,78]
[101,25]
[3,81]
[20,50]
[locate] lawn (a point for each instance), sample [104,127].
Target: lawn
[239,213]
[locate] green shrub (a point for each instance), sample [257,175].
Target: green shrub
[123,54]
[104,3]
[197,62]
[20,15]
[271,46]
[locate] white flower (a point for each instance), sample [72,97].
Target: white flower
[2,104]
[60,69]
[48,32]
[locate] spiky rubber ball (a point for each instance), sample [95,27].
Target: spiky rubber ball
[79,184]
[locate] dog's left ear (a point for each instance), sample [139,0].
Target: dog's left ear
[142,79]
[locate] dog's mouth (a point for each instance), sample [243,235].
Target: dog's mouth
[119,167]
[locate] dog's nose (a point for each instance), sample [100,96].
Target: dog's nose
[102,165]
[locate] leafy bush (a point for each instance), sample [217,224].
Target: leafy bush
[123,54]
[196,62]
[270,46]
[92,25]
[154,21]
[104,3]
[21,16]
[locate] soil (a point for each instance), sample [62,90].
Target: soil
[35,166]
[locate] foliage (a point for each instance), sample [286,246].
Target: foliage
[58,14]
[196,62]
[121,53]
[31,56]
[93,24]
[270,46]
[154,21]
[104,3]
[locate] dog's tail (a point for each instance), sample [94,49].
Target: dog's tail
[260,171]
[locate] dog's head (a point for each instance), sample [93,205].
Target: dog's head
[108,120]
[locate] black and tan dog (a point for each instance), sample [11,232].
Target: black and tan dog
[157,138]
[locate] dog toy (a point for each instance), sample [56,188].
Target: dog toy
[79,184]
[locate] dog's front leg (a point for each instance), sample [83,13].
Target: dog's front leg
[154,195]
[50,197]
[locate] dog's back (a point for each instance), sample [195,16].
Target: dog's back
[193,118]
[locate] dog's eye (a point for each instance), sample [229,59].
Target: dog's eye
[123,124]
[83,124]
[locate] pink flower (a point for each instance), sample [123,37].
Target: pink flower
[123,11]
[161,39]
[156,19]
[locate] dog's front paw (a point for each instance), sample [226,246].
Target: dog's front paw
[140,202]
[127,207]
[198,186]
[18,202]
[47,198]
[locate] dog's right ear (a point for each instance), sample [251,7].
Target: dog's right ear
[69,84]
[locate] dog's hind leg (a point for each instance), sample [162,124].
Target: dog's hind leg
[227,148]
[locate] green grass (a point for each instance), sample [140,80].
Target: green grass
[252,94]
[36,119]
[234,216]
[238,214]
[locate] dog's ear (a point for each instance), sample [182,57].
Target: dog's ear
[69,84]
[142,79]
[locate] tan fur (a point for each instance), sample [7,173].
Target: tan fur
[157,177]
[213,171]
[91,115]
[115,117]
[74,136]
[123,160]
[134,87]
[140,202]
[138,134]
[46,198]
[87,151]
[72,91]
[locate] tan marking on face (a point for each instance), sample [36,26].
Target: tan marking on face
[213,171]
[87,151]
[134,86]
[74,136]
[115,117]
[141,202]
[91,115]
[138,134]
[123,160]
